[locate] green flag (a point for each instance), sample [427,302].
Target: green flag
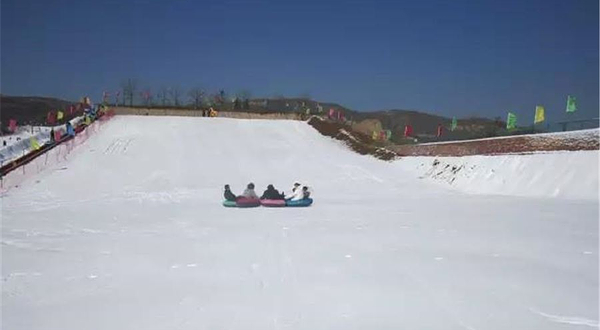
[571,104]
[454,124]
[511,121]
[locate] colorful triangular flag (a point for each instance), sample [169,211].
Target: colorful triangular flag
[34,143]
[571,104]
[511,121]
[539,114]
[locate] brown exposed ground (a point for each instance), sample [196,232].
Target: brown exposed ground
[358,142]
[575,140]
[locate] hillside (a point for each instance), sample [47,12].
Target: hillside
[34,109]
[127,231]
[28,109]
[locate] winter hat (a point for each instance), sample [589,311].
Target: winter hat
[270,187]
[226,186]
[250,185]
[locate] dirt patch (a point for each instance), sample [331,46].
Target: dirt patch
[569,141]
[358,142]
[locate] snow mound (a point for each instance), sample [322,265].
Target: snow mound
[569,174]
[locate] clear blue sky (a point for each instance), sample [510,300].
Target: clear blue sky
[450,57]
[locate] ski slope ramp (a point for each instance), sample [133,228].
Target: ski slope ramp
[129,233]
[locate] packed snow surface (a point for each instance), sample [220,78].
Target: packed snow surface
[563,174]
[129,233]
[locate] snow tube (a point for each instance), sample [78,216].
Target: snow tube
[272,202]
[247,202]
[300,203]
[229,204]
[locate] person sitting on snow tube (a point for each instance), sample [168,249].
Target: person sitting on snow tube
[229,196]
[249,192]
[296,186]
[305,193]
[271,193]
[296,194]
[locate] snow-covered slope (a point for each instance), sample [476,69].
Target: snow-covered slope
[567,174]
[129,233]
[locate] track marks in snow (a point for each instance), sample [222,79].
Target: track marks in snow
[358,173]
[20,244]
[567,319]
[118,146]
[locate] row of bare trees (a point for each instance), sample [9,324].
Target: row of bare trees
[173,96]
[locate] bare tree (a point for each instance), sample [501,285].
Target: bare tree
[129,88]
[197,96]
[146,96]
[163,95]
[175,93]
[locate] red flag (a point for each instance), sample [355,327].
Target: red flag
[57,135]
[51,117]
[12,125]
[408,130]
[71,110]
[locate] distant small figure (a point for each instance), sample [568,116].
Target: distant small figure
[228,194]
[4,143]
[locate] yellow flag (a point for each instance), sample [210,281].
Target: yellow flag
[34,144]
[374,136]
[88,120]
[59,115]
[539,114]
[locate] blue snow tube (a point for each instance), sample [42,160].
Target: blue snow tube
[301,203]
[229,204]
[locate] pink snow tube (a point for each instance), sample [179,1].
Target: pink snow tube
[272,202]
[247,202]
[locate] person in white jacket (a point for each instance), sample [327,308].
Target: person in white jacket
[249,192]
[296,193]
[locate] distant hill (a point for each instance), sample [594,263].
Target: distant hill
[424,124]
[28,109]
[33,110]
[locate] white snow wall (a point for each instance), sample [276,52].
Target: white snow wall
[23,147]
[53,157]
[566,174]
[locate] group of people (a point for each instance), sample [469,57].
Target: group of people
[298,192]
[209,113]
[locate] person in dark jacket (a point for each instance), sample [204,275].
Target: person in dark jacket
[271,193]
[228,194]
